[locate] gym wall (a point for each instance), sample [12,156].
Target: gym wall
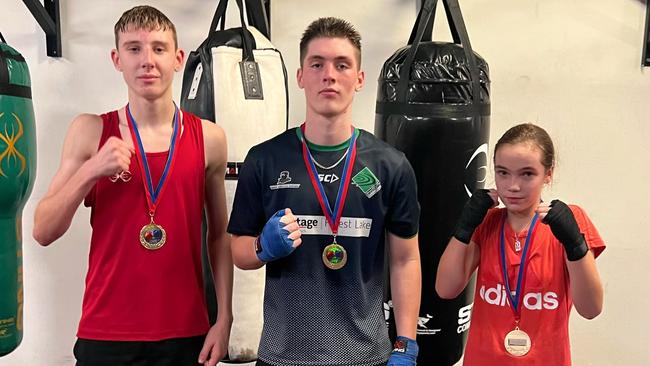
[572,67]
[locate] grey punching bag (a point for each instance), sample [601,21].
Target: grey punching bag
[17,173]
[433,104]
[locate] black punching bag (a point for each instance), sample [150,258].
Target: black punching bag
[433,104]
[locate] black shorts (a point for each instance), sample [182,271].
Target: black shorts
[168,352]
[262,363]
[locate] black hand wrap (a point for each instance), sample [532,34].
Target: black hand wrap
[472,215]
[565,228]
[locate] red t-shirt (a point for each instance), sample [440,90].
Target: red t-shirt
[136,294]
[546,299]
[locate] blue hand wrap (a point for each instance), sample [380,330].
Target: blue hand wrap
[405,352]
[274,239]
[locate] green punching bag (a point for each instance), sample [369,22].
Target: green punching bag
[17,172]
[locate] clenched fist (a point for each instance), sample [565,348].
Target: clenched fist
[112,158]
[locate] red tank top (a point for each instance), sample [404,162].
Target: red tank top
[136,294]
[546,297]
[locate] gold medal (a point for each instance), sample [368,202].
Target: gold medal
[517,342]
[334,256]
[152,236]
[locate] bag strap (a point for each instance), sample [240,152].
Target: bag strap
[423,23]
[255,12]
[4,72]
[246,36]
[452,23]
[247,47]
[428,32]
[2,39]
[258,17]
[429,27]
[219,15]
[458,24]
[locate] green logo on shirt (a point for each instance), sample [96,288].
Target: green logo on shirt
[367,182]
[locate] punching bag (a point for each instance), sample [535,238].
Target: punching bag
[237,79]
[433,104]
[17,172]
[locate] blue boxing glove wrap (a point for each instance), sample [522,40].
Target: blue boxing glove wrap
[274,239]
[405,352]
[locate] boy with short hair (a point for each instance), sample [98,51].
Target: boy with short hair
[147,171]
[315,205]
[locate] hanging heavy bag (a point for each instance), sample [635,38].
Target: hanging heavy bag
[237,78]
[433,104]
[17,173]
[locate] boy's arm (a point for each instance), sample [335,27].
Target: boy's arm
[218,242]
[81,166]
[244,253]
[406,283]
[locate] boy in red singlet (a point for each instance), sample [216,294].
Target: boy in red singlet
[147,171]
[535,260]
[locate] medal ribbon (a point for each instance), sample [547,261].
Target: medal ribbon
[333,216]
[141,157]
[515,300]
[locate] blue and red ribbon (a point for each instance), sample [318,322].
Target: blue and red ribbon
[141,157]
[516,299]
[333,216]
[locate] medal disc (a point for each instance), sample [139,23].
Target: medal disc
[152,236]
[334,256]
[517,342]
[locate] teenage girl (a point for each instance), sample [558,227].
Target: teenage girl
[535,260]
